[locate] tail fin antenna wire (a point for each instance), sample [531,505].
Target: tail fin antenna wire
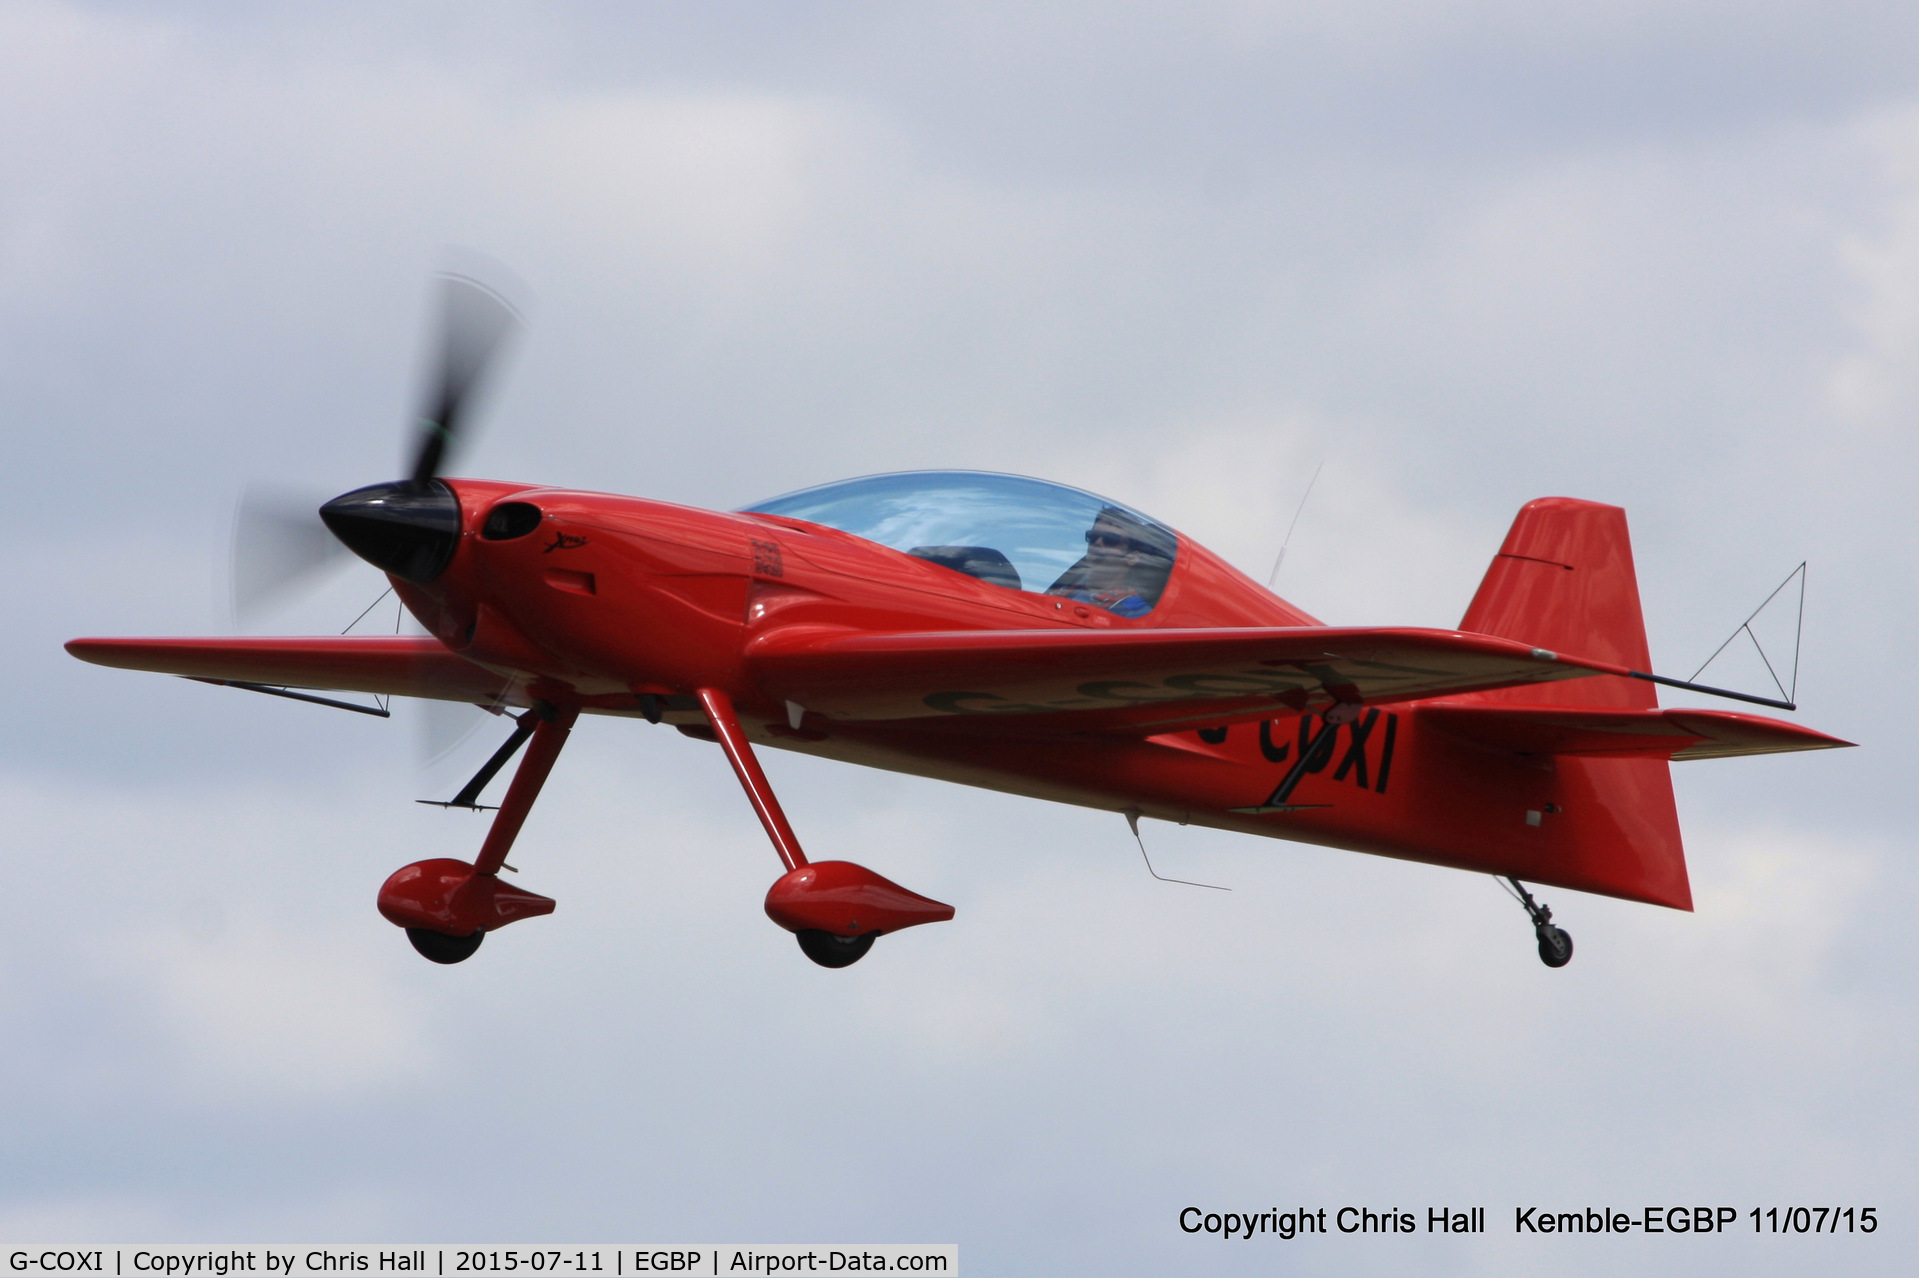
[1799,625]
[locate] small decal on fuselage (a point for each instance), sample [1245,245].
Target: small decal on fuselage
[766,558]
[564,541]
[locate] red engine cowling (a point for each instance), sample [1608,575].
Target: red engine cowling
[447,896]
[847,900]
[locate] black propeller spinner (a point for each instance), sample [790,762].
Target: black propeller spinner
[405,528]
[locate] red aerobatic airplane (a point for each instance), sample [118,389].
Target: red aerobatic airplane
[1006,633]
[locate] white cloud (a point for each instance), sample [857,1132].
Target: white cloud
[268,1011]
[1875,384]
[239,990]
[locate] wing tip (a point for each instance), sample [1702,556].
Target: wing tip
[91,650]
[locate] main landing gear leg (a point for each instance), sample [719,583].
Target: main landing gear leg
[1555,943]
[447,907]
[835,909]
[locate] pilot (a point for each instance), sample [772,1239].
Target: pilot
[1125,565]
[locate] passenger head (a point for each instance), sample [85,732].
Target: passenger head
[1123,551]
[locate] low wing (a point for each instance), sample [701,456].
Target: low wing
[1105,680]
[400,665]
[1674,734]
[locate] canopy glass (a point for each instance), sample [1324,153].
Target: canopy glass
[1022,534]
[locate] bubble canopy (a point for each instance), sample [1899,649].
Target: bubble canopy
[1014,532]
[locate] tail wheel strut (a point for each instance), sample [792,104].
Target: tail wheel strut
[1555,943]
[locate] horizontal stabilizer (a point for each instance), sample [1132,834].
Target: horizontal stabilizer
[1612,731]
[395,665]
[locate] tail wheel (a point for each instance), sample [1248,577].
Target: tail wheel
[1555,945]
[442,948]
[827,949]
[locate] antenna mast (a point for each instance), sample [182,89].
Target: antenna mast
[1273,576]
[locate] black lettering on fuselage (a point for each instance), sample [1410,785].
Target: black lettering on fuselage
[1355,760]
[1363,760]
[1386,753]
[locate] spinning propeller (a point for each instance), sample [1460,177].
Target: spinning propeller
[407,527]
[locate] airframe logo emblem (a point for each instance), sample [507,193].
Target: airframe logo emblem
[766,558]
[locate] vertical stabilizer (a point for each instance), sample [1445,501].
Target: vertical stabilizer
[1564,580]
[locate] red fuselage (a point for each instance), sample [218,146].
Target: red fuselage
[613,598]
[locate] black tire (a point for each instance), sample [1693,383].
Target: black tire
[1555,945]
[834,951]
[442,948]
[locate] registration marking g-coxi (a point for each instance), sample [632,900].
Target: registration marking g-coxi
[687,1260]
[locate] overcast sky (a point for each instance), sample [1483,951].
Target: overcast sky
[1463,254]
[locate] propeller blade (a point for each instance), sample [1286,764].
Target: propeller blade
[444,726]
[279,546]
[475,324]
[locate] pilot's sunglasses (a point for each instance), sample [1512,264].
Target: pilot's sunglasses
[1111,541]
